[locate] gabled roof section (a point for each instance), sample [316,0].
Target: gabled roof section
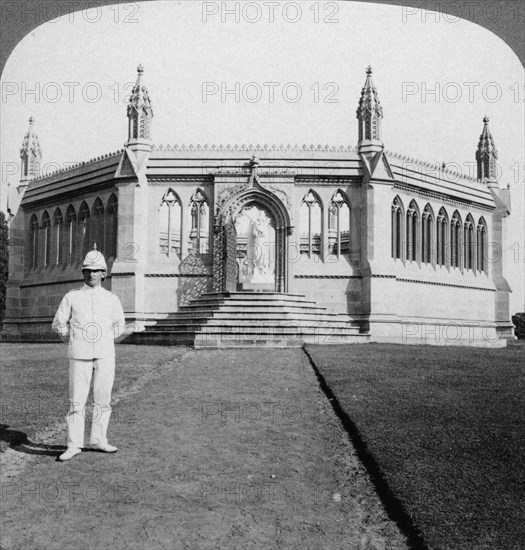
[434,179]
[72,180]
[128,165]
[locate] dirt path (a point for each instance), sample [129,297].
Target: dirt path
[225,449]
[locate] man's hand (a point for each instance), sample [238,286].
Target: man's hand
[128,329]
[62,329]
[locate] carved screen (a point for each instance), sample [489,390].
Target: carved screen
[230,257]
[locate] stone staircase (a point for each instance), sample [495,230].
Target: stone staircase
[246,319]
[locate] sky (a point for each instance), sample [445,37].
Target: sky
[289,73]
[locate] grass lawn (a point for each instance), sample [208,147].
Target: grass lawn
[443,427]
[35,387]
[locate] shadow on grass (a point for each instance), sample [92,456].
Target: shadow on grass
[393,506]
[19,442]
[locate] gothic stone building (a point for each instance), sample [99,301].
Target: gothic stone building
[271,244]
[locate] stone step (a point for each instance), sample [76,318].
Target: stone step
[246,297]
[242,306]
[236,328]
[252,297]
[248,316]
[245,340]
[255,324]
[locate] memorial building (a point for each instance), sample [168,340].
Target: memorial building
[267,245]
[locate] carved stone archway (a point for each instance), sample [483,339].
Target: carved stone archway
[225,270]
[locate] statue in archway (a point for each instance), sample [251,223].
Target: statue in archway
[263,271]
[257,266]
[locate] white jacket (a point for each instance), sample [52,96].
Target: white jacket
[91,318]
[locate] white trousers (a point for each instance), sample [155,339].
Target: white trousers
[80,373]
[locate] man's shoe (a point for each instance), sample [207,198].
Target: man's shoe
[69,454]
[104,448]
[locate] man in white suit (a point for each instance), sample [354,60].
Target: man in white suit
[90,319]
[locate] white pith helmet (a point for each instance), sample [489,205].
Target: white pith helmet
[94,260]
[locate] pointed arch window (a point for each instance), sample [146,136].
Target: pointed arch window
[427,223]
[200,223]
[46,240]
[58,238]
[311,224]
[339,224]
[397,229]
[412,220]
[469,247]
[97,225]
[455,240]
[35,230]
[83,230]
[70,232]
[441,237]
[481,234]
[170,224]
[111,227]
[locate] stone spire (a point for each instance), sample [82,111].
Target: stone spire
[369,115]
[30,155]
[486,155]
[140,112]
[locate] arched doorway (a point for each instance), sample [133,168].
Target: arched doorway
[250,242]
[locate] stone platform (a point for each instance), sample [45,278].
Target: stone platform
[246,319]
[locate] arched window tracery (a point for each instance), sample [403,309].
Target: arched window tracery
[481,234]
[83,236]
[35,230]
[200,223]
[455,240]
[339,224]
[427,237]
[46,240]
[170,224]
[111,227]
[442,237]
[58,238]
[311,224]
[412,221]
[70,234]
[397,229]
[469,247]
[98,226]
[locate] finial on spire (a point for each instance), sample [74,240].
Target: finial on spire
[369,114]
[486,155]
[30,152]
[140,112]
[94,246]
